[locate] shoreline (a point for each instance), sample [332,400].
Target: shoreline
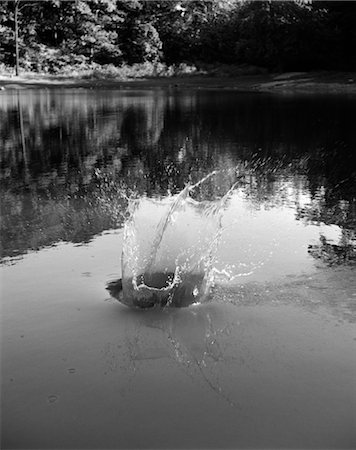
[285,83]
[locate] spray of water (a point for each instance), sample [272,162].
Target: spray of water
[169,247]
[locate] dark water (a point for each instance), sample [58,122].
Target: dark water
[269,361]
[70,158]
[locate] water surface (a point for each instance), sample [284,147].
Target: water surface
[69,158]
[269,361]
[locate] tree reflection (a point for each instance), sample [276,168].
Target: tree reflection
[69,159]
[342,252]
[162,334]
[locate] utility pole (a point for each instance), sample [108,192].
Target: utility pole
[17,4]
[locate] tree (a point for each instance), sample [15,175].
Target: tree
[286,35]
[16,20]
[17,9]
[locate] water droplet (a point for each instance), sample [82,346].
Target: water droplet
[71,370]
[52,398]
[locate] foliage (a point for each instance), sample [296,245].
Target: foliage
[279,35]
[137,70]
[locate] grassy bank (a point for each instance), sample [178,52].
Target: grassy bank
[141,76]
[94,71]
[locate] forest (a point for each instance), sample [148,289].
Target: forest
[57,36]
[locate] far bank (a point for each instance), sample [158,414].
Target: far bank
[284,83]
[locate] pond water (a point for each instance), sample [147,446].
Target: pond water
[268,359]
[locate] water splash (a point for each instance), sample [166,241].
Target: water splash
[169,247]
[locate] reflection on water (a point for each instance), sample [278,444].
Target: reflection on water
[264,364]
[268,363]
[70,160]
[165,335]
[339,253]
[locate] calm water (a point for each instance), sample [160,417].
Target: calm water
[68,158]
[270,361]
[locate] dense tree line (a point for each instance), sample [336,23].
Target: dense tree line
[288,35]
